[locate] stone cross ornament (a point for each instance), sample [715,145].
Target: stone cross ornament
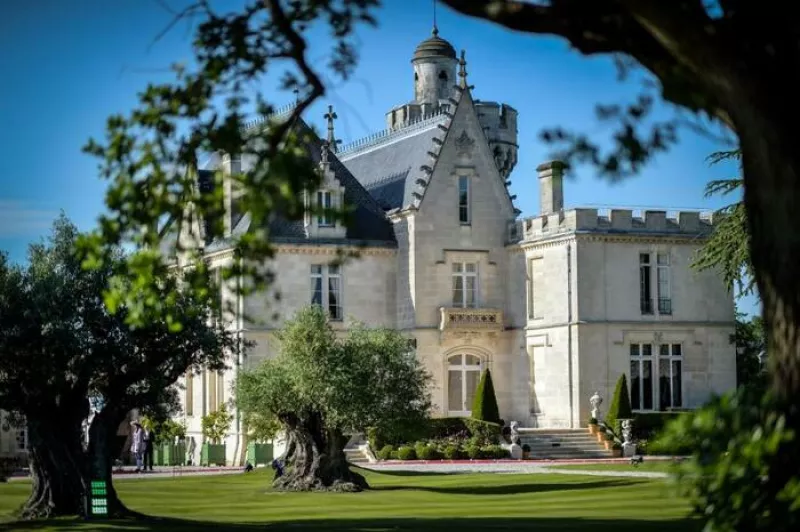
[595,401]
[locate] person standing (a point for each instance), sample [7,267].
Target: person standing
[137,445]
[149,441]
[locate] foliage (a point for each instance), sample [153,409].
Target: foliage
[427,452]
[484,405]
[216,425]
[728,248]
[168,430]
[472,450]
[620,405]
[647,425]
[452,452]
[750,341]
[261,428]
[150,156]
[59,346]
[526,448]
[484,432]
[592,420]
[493,452]
[367,379]
[743,471]
[406,453]
[385,452]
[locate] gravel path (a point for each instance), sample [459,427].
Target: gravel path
[508,468]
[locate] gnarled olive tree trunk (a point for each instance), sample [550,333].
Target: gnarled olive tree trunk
[314,458]
[57,466]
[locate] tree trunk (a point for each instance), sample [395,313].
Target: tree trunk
[315,460]
[57,468]
[101,453]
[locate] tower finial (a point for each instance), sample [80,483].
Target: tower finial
[462,69]
[435,28]
[330,116]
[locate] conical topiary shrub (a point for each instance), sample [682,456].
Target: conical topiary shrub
[620,404]
[484,406]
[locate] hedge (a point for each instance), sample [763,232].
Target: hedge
[435,429]
[484,405]
[645,426]
[483,431]
[620,405]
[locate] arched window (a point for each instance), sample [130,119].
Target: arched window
[443,80]
[463,375]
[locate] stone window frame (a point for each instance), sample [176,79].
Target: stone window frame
[464,275]
[466,207]
[324,275]
[323,220]
[657,304]
[530,294]
[484,363]
[655,343]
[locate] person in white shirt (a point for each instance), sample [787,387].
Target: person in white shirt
[138,445]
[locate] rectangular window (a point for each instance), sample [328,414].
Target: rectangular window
[329,297]
[463,200]
[189,402]
[670,365]
[662,280]
[535,287]
[645,289]
[22,438]
[641,377]
[220,389]
[324,201]
[211,382]
[465,285]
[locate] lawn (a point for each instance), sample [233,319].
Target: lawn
[661,466]
[398,501]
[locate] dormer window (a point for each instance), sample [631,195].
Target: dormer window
[324,201]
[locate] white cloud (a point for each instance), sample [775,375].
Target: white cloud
[24,218]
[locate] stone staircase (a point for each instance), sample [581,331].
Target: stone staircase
[355,450]
[562,444]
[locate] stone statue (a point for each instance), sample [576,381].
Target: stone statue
[628,446]
[627,430]
[515,432]
[595,401]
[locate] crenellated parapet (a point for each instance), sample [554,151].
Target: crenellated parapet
[499,122]
[612,221]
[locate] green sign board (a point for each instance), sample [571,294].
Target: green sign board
[97,499]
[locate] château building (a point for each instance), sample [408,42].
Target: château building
[557,305]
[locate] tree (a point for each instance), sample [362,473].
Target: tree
[728,248]
[749,341]
[321,388]
[216,424]
[620,407]
[59,346]
[484,406]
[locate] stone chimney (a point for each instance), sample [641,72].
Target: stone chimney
[551,187]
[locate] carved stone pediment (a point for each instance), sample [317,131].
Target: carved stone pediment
[464,143]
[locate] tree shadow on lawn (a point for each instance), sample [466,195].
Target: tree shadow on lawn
[513,489]
[461,524]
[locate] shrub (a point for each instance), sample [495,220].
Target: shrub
[452,452]
[592,420]
[447,427]
[386,452]
[620,404]
[216,425]
[394,456]
[647,426]
[608,436]
[493,452]
[484,406]
[616,446]
[406,453]
[473,451]
[484,432]
[526,448]
[428,452]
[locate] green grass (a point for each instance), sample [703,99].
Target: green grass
[398,501]
[663,466]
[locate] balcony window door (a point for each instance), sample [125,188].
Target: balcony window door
[465,285]
[463,376]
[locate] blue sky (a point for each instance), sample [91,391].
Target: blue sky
[68,65]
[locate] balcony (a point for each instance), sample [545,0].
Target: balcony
[471,319]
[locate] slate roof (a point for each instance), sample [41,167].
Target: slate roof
[389,169]
[369,225]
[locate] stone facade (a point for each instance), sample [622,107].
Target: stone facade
[555,305]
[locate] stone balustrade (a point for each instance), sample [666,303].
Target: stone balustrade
[471,319]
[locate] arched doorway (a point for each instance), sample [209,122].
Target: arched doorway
[463,376]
